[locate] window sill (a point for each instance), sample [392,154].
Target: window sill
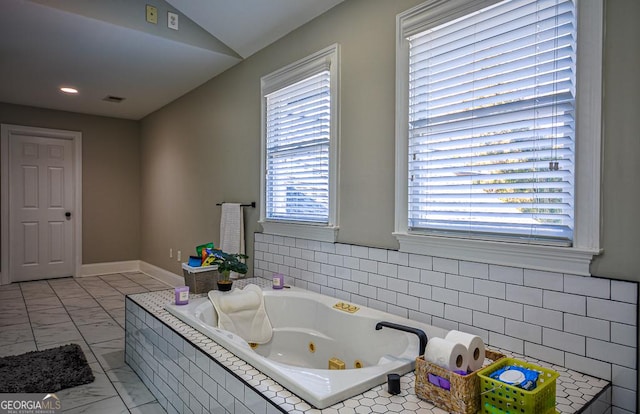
[302,231]
[569,260]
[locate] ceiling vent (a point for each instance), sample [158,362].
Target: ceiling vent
[115,99]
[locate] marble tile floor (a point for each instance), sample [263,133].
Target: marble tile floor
[88,311]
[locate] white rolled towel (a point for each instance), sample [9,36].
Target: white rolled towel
[474,346]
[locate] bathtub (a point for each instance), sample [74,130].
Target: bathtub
[307,332]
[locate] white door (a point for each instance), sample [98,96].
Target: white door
[41,200]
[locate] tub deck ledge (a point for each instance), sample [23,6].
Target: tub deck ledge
[189,372]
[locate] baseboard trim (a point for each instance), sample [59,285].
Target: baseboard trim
[163,275]
[98,269]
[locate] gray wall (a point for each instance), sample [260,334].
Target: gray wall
[110,178]
[204,148]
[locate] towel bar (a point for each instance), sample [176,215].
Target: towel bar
[252,204]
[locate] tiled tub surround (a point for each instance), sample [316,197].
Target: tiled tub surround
[586,324]
[190,373]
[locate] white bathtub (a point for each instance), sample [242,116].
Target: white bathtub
[300,318]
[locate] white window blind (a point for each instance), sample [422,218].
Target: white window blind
[491,123]
[297,150]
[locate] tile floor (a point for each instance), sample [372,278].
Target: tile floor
[88,311]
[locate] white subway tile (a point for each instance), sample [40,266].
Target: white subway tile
[409,302]
[302,243]
[359,300]
[278,240]
[379,255]
[612,311]
[489,288]
[313,245]
[510,343]
[489,322]
[431,307]
[444,295]
[370,266]
[624,291]
[589,366]
[360,251]
[409,273]
[526,331]
[618,410]
[474,269]
[335,259]
[367,291]
[420,317]
[461,283]
[397,310]
[589,327]
[458,314]
[336,283]
[421,261]
[313,267]
[482,333]
[320,279]
[526,295]
[472,301]
[432,278]
[623,334]
[308,255]
[343,272]
[398,258]
[444,323]
[328,270]
[511,310]
[398,285]
[258,237]
[624,377]
[388,269]
[343,295]
[377,280]
[564,341]
[351,262]
[329,291]
[278,259]
[610,352]
[289,261]
[303,284]
[283,250]
[543,317]
[295,252]
[588,286]
[234,386]
[543,280]
[544,353]
[273,267]
[267,238]
[283,269]
[350,286]
[290,241]
[624,398]
[564,302]
[343,249]
[387,296]
[514,275]
[321,257]
[376,304]
[445,265]
[420,290]
[360,276]
[273,248]
[328,247]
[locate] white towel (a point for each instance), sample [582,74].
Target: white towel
[232,231]
[242,312]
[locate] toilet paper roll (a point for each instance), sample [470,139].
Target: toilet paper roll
[474,346]
[446,354]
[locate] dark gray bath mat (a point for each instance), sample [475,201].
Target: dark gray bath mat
[45,371]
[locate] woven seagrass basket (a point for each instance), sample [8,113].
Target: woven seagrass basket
[463,397]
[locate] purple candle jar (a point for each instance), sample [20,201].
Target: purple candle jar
[182,295]
[278,281]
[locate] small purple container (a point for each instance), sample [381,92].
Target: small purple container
[278,281]
[182,295]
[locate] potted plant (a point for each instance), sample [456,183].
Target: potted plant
[227,263]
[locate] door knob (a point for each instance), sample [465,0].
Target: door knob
[67,214]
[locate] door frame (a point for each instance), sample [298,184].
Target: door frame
[7,131]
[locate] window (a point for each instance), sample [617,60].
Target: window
[489,121]
[300,148]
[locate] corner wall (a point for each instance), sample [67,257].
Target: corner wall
[110,178]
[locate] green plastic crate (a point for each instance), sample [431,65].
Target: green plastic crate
[496,397]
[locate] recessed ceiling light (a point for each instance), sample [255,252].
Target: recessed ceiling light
[71,91]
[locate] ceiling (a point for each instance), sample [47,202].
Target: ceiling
[107,48]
